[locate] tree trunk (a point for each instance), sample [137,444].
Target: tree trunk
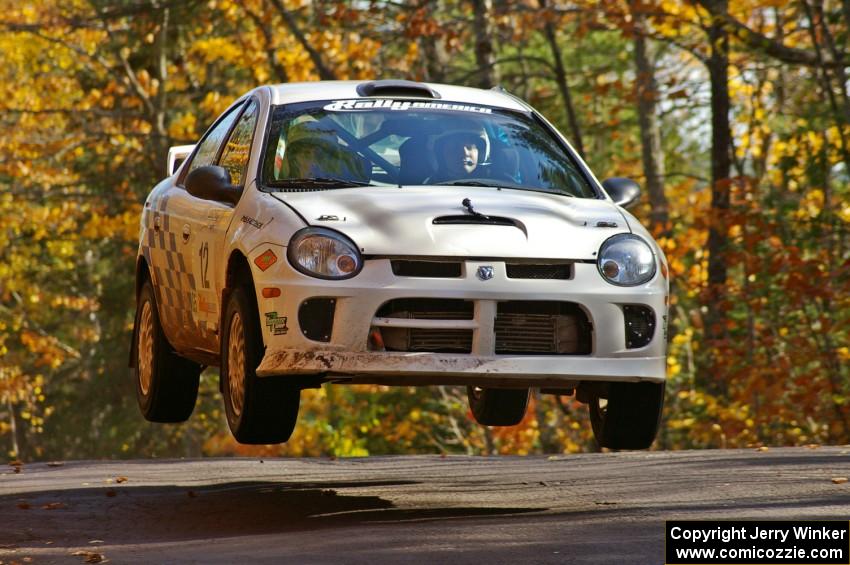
[650,129]
[484,58]
[436,60]
[163,139]
[13,429]
[561,80]
[839,112]
[721,164]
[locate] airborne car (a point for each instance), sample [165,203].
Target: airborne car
[397,233]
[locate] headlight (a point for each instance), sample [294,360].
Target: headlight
[626,260]
[324,254]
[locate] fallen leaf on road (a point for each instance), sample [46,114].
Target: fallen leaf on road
[53,506]
[90,556]
[111,492]
[839,480]
[120,480]
[24,505]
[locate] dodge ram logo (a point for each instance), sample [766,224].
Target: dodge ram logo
[485,273]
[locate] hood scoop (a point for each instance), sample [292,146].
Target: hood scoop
[477,220]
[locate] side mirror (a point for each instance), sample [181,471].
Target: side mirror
[624,192]
[212,183]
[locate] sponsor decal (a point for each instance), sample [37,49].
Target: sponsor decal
[214,215]
[276,324]
[252,222]
[266,259]
[401,105]
[202,303]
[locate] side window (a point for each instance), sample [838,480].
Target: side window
[234,158]
[209,146]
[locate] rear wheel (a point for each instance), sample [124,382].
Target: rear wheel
[166,384]
[259,410]
[629,417]
[497,406]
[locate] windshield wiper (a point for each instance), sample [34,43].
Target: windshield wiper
[318,182]
[497,185]
[472,183]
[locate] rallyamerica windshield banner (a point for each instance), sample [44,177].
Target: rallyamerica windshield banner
[807,542]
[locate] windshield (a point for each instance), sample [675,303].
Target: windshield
[378,142]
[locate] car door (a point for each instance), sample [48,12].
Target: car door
[210,228]
[192,234]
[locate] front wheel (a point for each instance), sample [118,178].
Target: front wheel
[629,417]
[166,384]
[497,406]
[259,410]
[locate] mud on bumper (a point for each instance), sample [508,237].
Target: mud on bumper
[397,368]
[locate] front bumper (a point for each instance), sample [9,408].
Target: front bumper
[436,368]
[346,356]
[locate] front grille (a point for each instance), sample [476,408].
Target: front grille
[426,309]
[427,339]
[436,341]
[542,328]
[430,269]
[561,271]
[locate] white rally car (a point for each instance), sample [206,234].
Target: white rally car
[397,233]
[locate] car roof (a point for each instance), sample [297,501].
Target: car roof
[294,92]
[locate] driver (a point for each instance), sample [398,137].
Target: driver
[460,155]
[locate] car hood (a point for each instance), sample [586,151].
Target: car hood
[392,221]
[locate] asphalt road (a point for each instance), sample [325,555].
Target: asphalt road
[592,508]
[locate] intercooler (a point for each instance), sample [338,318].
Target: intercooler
[447,326]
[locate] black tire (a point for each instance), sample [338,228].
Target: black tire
[269,406]
[497,406]
[166,384]
[629,417]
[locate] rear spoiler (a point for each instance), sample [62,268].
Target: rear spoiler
[176,156]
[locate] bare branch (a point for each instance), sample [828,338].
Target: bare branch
[770,46]
[325,73]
